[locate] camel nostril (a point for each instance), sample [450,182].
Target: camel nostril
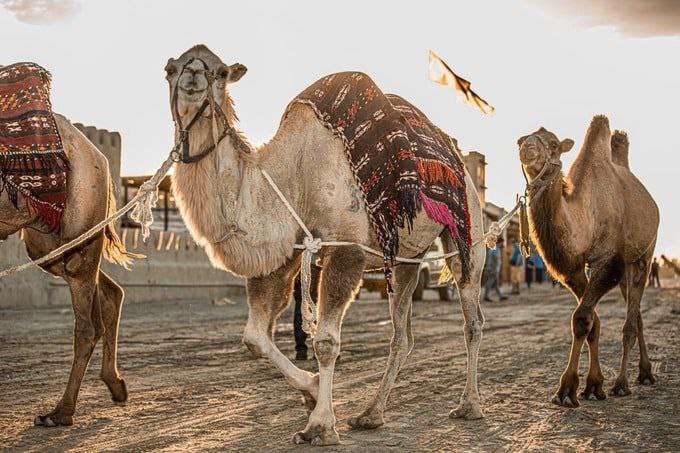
[528,154]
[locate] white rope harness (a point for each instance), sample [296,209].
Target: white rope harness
[312,245]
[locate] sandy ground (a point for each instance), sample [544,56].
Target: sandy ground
[193,386]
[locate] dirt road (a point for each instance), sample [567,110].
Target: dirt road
[193,386]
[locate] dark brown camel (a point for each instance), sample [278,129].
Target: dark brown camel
[602,216]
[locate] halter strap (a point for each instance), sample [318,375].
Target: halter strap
[183,154]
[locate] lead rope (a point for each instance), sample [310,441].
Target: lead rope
[311,245]
[141,205]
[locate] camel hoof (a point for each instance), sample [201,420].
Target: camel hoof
[468,411]
[324,438]
[565,400]
[118,390]
[620,390]
[52,420]
[328,439]
[646,378]
[298,439]
[366,421]
[593,394]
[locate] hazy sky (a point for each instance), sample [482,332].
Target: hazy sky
[547,63]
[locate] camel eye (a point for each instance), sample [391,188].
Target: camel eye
[223,72]
[170,70]
[553,145]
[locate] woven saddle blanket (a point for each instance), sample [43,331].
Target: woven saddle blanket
[32,160]
[402,162]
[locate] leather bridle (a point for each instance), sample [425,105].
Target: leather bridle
[181,152]
[536,187]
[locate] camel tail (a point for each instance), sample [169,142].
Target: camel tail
[114,249]
[620,148]
[451,244]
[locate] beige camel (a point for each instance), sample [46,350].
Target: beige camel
[95,297]
[601,216]
[234,214]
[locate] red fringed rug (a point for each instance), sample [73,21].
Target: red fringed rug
[32,160]
[402,161]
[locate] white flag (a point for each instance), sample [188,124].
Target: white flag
[441,73]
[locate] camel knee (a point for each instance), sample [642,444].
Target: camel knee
[473,331]
[582,321]
[85,334]
[256,341]
[326,347]
[630,333]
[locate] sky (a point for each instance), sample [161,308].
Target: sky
[538,62]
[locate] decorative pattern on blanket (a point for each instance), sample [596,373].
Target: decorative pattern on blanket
[402,162]
[32,160]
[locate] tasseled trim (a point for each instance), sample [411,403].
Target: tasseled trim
[434,171]
[440,213]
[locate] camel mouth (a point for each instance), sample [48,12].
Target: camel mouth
[192,91]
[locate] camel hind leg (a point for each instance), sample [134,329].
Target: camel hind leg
[405,281]
[633,287]
[470,406]
[111,296]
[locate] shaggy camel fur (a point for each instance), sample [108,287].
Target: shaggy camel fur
[602,216]
[95,297]
[234,214]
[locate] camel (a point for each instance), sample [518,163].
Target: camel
[601,216]
[96,298]
[232,212]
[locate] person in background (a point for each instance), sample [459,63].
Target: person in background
[654,274]
[540,267]
[516,268]
[301,335]
[493,271]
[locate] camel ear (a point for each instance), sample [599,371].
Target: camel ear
[566,145]
[521,140]
[236,71]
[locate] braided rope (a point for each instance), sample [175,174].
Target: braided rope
[312,245]
[141,204]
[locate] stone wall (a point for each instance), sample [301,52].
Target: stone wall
[175,269]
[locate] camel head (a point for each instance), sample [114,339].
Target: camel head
[540,148]
[189,80]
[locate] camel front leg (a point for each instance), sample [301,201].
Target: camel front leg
[405,281]
[603,279]
[266,297]
[340,279]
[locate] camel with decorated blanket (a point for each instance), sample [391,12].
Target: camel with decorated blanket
[54,186]
[349,166]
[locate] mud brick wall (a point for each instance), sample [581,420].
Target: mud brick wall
[175,269]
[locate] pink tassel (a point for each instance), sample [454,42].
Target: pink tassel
[440,213]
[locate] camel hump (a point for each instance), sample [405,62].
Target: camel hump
[620,148]
[596,143]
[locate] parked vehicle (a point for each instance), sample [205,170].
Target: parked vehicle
[428,277]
